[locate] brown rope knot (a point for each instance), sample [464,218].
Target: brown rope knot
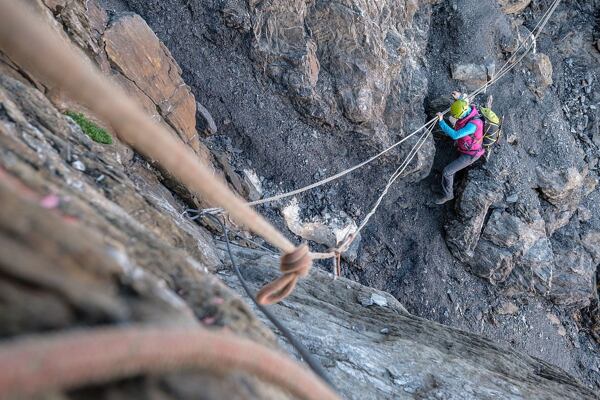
[293,265]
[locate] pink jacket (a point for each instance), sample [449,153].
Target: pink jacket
[471,144]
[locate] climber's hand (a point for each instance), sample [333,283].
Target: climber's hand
[456,95]
[440,116]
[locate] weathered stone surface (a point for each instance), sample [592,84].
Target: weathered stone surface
[55,5]
[404,240]
[344,62]
[474,75]
[235,15]
[507,308]
[591,242]
[129,51]
[513,6]
[84,21]
[541,66]
[515,247]
[115,250]
[462,234]
[564,190]
[574,280]
[431,253]
[383,352]
[329,230]
[207,119]
[560,187]
[513,244]
[135,50]
[253,183]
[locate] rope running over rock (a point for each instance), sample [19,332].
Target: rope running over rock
[312,362]
[508,66]
[30,42]
[293,266]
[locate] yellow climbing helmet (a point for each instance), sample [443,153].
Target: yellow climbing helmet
[458,108]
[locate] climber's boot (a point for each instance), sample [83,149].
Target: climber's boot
[443,199]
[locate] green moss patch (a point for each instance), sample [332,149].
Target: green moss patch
[96,133]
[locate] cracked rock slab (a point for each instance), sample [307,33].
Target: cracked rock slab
[379,352]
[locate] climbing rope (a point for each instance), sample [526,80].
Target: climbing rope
[399,171]
[516,58]
[428,127]
[31,43]
[40,365]
[314,364]
[508,66]
[338,175]
[34,366]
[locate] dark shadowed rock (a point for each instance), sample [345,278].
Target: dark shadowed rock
[473,205]
[207,119]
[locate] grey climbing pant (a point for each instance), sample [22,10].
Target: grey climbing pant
[463,161]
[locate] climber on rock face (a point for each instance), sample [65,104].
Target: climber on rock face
[468,134]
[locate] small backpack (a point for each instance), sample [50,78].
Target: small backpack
[492,127]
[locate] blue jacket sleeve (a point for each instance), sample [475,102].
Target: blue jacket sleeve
[469,129]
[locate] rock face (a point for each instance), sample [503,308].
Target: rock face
[541,66]
[511,241]
[383,352]
[353,65]
[98,216]
[109,247]
[514,211]
[128,50]
[268,71]
[150,71]
[125,48]
[123,253]
[474,75]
